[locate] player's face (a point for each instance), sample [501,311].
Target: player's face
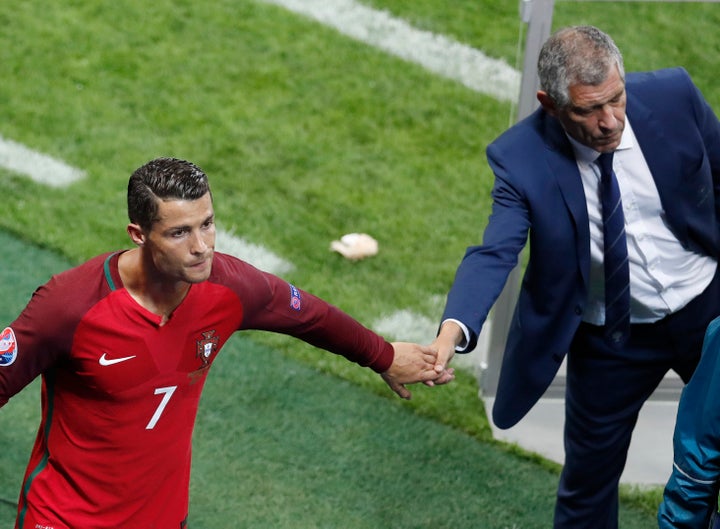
[596,114]
[181,241]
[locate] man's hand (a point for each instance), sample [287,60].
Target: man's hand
[444,347]
[414,363]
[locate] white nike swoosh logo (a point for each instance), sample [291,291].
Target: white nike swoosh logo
[104,361]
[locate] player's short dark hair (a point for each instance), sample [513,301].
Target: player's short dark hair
[163,179]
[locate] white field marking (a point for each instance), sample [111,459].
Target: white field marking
[407,326]
[39,167]
[254,254]
[437,53]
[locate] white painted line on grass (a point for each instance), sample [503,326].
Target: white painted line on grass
[437,53]
[407,326]
[39,167]
[256,255]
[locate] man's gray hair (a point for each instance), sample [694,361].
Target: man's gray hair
[576,55]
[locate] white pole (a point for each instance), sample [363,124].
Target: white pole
[538,16]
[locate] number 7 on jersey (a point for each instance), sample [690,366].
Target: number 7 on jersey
[167,393]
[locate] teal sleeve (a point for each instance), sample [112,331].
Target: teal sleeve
[690,496]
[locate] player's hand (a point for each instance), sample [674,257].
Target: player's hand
[412,363]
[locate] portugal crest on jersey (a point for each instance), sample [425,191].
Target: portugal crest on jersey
[206,347]
[8,347]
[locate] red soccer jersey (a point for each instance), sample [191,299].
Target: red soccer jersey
[120,391]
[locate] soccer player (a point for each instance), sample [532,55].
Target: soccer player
[124,343]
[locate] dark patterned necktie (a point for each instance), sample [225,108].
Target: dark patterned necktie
[617,271]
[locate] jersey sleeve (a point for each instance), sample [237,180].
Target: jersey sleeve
[272,304]
[38,341]
[42,334]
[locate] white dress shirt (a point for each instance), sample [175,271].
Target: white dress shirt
[664,276]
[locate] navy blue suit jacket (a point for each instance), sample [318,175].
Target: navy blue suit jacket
[538,191]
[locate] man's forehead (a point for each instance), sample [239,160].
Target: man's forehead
[588,96]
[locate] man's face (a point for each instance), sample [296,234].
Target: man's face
[595,115]
[181,241]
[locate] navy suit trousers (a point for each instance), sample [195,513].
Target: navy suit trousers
[605,390]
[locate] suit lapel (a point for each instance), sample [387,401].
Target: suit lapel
[563,167]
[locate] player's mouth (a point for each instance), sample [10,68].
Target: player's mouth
[201,265]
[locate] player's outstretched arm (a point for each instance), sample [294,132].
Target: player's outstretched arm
[413,363]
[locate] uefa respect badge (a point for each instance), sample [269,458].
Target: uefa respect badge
[8,347]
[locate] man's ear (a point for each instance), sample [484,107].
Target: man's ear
[136,234]
[547,103]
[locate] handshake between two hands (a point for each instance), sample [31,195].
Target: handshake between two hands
[419,363]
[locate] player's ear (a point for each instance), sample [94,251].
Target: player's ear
[136,233]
